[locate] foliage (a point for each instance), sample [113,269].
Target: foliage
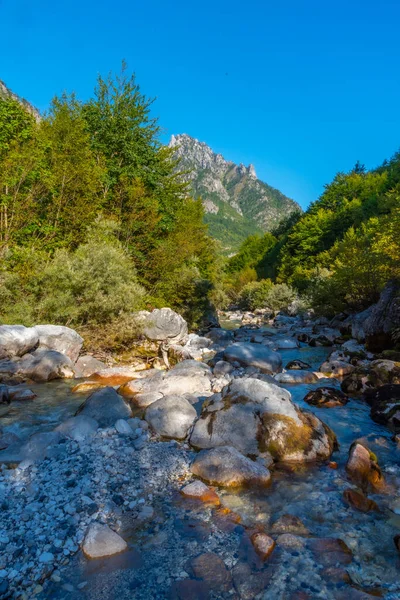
[280,296]
[255,294]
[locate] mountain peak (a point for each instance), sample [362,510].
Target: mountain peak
[236,202]
[6,93]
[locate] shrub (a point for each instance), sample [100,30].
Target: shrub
[255,294]
[280,296]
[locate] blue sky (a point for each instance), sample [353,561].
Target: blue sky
[301,89]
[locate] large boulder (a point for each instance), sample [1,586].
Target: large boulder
[164,324]
[78,428]
[220,336]
[226,466]
[17,340]
[59,338]
[363,469]
[171,417]
[384,319]
[367,379]
[45,365]
[105,406]
[385,405]
[254,355]
[326,397]
[257,417]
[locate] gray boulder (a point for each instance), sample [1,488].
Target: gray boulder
[164,324]
[220,336]
[105,406]
[45,365]
[78,428]
[296,376]
[384,320]
[86,365]
[254,355]
[17,340]
[171,417]
[227,467]
[59,338]
[101,541]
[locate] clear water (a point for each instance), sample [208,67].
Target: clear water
[313,493]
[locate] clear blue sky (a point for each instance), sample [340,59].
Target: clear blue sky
[301,89]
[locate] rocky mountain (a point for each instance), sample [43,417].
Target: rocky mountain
[236,202]
[5,93]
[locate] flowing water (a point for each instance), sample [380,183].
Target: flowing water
[312,493]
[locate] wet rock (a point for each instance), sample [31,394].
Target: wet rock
[286,343]
[7,439]
[227,467]
[263,545]
[320,340]
[102,541]
[201,491]
[385,405]
[254,355]
[296,376]
[171,417]
[220,336]
[297,365]
[87,386]
[330,551]
[114,375]
[289,524]
[105,406]
[4,395]
[17,340]
[59,338]
[18,393]
[359,501]
[290,541]
[250,582]
[189,589]
[78,428]
[211,568]
[336,368]
[326,397]
[86,365]
[164,324]
[363,469]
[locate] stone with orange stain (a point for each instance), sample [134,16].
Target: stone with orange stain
[333,465]
[363,469]
[359,501]
[263,544]
[86,386]
[114,375]
[199,490]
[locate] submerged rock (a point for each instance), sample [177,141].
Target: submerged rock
[289,524]
[211,569]
[263,545]
[171,417]
[199,490]
[358,501]
[101,541]
[326,397]
[227,467]
[105,406]
[254,355]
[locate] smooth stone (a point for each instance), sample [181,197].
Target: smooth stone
[254,355]
[102,541]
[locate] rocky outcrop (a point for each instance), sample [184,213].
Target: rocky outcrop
[17,340]
[227,467]
[256,418]
[384,320]
[59,338]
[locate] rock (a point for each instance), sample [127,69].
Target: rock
[227,467]
[105,406]
[297,365]
[171,417]
[102,541]
[198,342]
[320,340]
[19,393]
[7,439]
[86,365]
[256,417]
[385,406]
[289,540]
[45,365]
[289,524]
[163,324]
[38,445]
[356,324]
[46,557]
[187,377]
[263,545]
[210,568]
[201,491]
[254,355]
[62,339]
[359,501]
[220,336]
[286,343]
[222,368]
[144,400]
[123,427]
[114,375]
[326,397]
[296,376]
[336,368]
[17,340]
[4,395]
[330,551]
[363,469]
[78,428]
[249,582]
[384,319]
[86,386]
[189,589]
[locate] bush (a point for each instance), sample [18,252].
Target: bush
[280,296]
[255,294]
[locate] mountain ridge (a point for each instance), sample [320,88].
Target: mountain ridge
[236,202]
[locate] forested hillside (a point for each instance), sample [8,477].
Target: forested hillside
[340,253]
[94,218]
